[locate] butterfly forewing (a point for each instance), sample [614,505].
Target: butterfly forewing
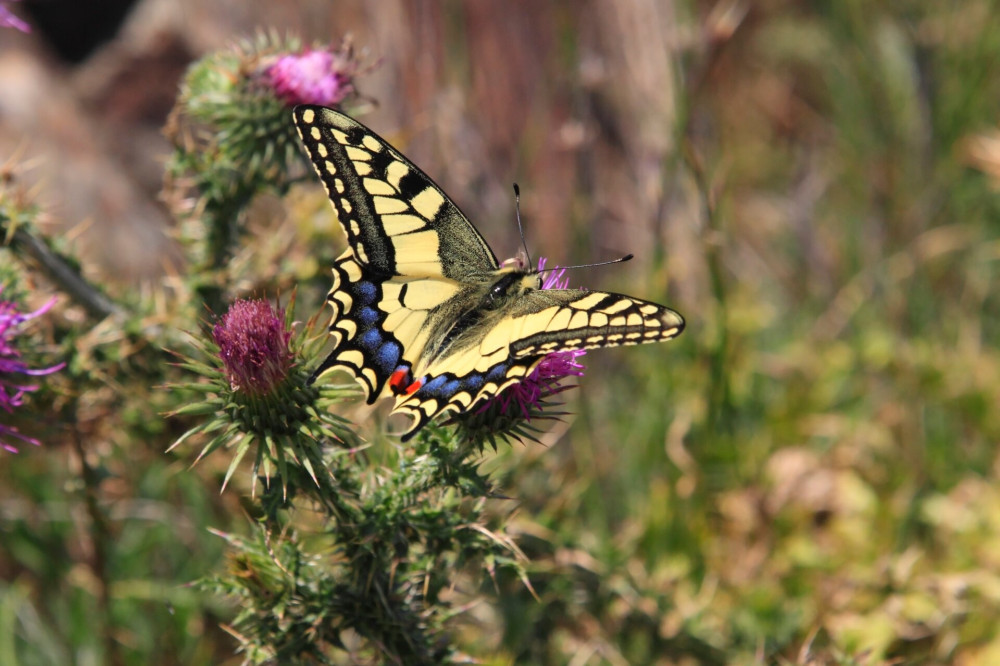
[397,220]
[568,319]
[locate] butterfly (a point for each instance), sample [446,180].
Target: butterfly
[422,309]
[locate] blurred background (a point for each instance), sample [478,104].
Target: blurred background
[808,475]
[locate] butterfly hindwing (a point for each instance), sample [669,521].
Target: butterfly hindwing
[420,304]
[362,344]
[380,326]
[451,392]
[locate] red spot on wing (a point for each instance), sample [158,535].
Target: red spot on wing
[398,380]
[414,387]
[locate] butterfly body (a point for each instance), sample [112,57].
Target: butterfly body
[421,308]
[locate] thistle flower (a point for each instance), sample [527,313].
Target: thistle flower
[253,346]
[9,20]
[257,393]
[511,411]
[234,138]
[315,76]
[12,391]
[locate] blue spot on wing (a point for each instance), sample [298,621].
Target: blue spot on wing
[367,316]
[386,358]
[370,339]
[497,372]
[444,387]
[366,291]
[433,385]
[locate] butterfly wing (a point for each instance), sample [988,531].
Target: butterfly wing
[397,220]
[412,253]
[502,350]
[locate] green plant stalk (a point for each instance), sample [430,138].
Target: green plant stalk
[719,392]
[101,536]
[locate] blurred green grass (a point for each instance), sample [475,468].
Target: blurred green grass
[832,499]
[808,475]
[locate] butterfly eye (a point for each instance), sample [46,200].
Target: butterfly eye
[498,291]
[501,289]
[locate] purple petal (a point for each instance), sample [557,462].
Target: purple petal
[9,20]
[313,77]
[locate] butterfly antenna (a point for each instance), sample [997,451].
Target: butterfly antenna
[520,229]
[619,260]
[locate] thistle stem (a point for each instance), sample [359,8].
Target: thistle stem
[65,275]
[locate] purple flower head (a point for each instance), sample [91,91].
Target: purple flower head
[544,381]
[253,345]
[321,77]
[9,20]
[12,390]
